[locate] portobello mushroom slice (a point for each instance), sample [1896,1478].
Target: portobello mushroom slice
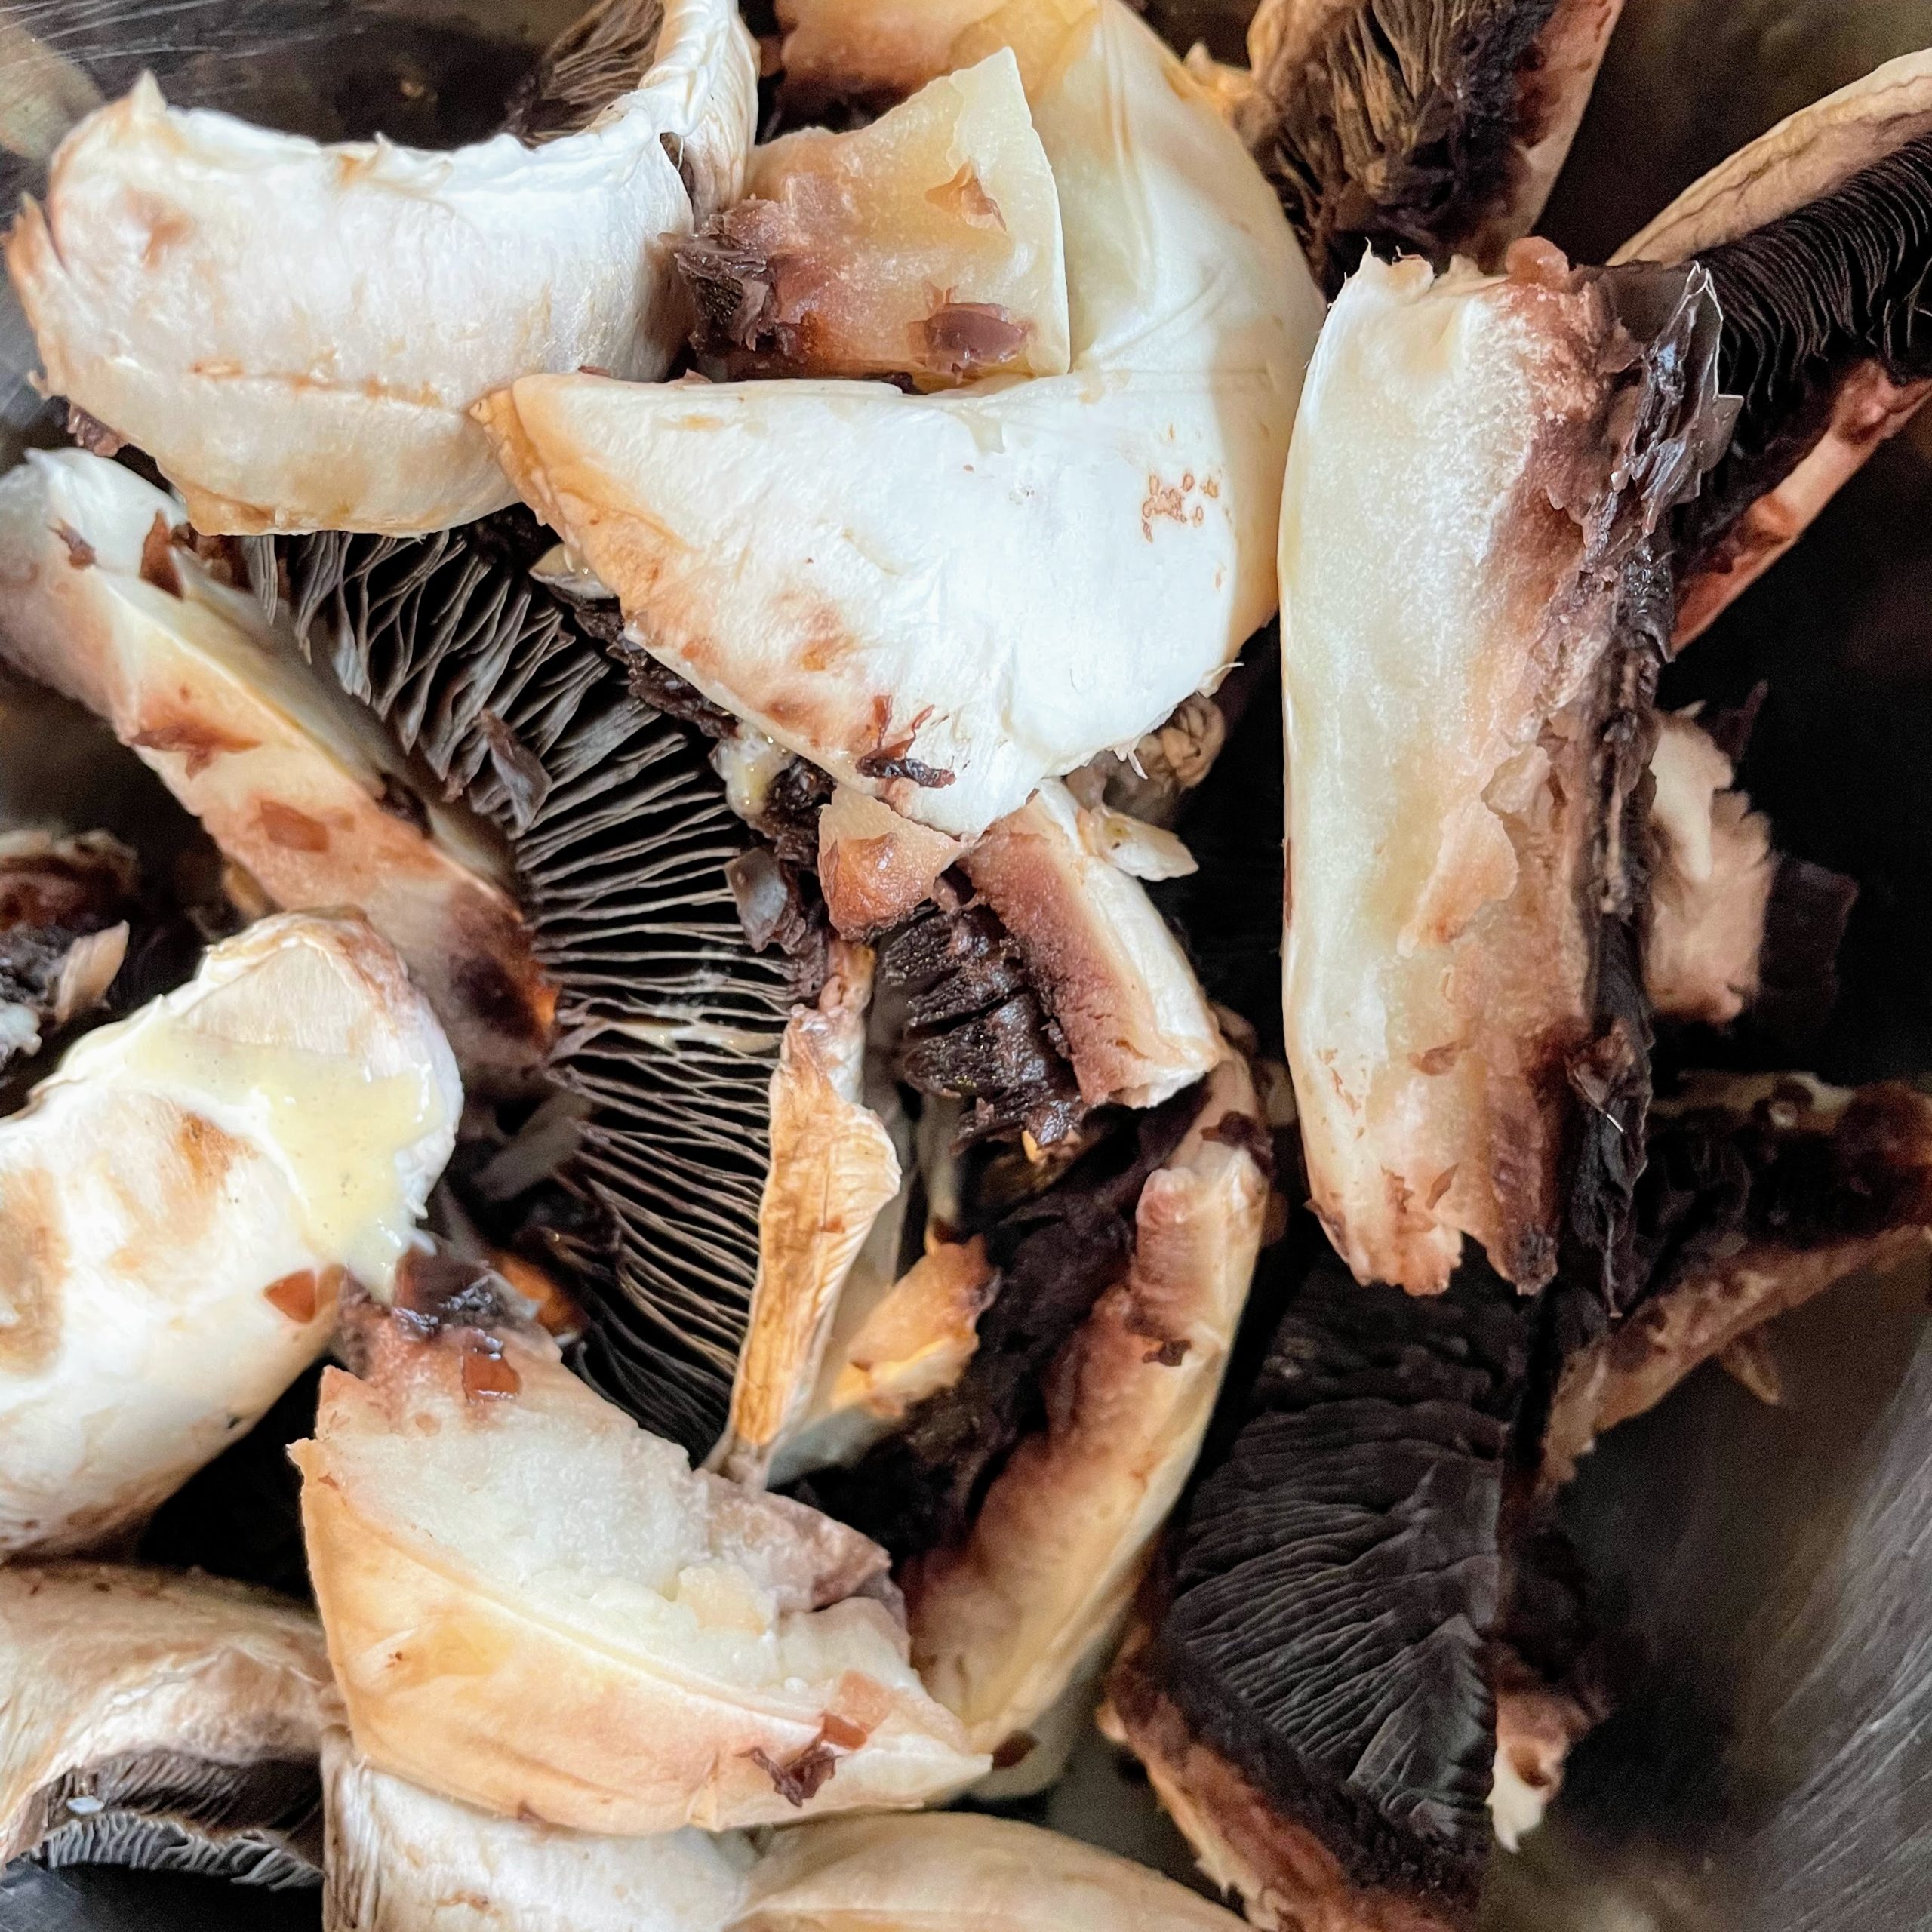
[1762,1191]
[294,332]
[667,1648]
[926,245]
[181,1204]
[1468,746]
[937,643]
[1815,237]
[113,601]
[65,904]
[400,1858]
[1430,127]
[168,1723]
[1312,1681]
[958,1871]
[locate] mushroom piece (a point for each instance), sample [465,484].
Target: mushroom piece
[1469,741]
[65,907]
[937,581]
[169,1723]
[295,333]
[959,1872]
[181,1202]
[1431,128]
[1312,1681]
[112,600]
[401,1858]
[670,1649]
[1762,1191]
[1817,239]
[926,244]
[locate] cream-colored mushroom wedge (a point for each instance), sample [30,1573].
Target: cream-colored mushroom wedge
[926,244]
[1468,739]
[181,1202]
[1774,1187]
[400,1858]
[294,332]
[942,600]
[1003,1622]
[834,1168]
[168,1722]
[1436,129]
[960,1871]
[1818,238]
[107,600]
[534,1606]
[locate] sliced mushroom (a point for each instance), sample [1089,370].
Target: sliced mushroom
[169,1723]
[1310,1684]
[1762,1191]
[1469,739]
[181,1204]
[1432,127]
[1003,1621]
[110,601]
[926,245]
[1136,1022]
[64,910]
[960,1872]
[294,332]
[401,1860]
[1817,239]
[662,1648]
[833,1169]
[938,582]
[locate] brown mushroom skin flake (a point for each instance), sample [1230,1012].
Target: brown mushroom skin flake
[1469,735]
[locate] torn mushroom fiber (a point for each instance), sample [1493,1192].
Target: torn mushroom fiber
[295,333]
[112,600]
[1817,239]
[168,1723]
[669,1650]
[951,597]
[182,1204]
[1469,745]
[1431,128]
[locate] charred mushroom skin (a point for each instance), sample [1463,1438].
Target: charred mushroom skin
[1469,741]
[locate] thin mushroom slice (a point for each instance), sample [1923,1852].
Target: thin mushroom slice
[181,1203]
[168,1723]
[294,332]
[1469,741]
[113,601]
[401,1858]
[925,244]
[1005,1620]
[937,581]
[1434,128]
[958,1872]
[1817,239]
[657,1648]
[1762,1191]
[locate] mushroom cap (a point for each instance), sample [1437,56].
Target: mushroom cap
[181,1202]
[294,332]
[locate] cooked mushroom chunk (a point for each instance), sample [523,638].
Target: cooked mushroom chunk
[936,582]
[292,780]
[1468,737]
[535,1607]
[925,244]
[181,1203]
[1431,128]
[169,1723]
[400,1858]
[65,907]
[295,333]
